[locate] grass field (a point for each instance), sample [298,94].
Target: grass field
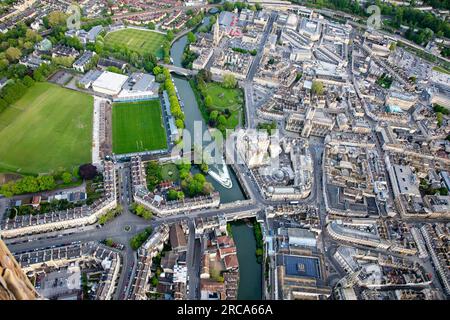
[223,98]
[47,129]
[141,41]
[138,126]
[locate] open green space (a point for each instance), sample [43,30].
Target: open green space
[141,41]
[138,126]
[223,98]
[384,81]
[48,129]
[227,102]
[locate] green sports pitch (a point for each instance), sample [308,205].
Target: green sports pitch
[138,127]
[48,129]
[141,41]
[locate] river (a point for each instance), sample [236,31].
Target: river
[192,114]
[250,272]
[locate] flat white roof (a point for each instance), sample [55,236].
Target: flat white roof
[110,81]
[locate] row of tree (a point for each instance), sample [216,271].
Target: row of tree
[188,55]
[173,194]
[140,238]
[13,91]
[28,184]
[231,6]
[140,211]
[110,215]
[20,83]
[175,106]
[32,184]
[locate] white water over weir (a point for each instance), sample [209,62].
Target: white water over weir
[222,176]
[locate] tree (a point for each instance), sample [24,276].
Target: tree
[196,185]
[317,88]
[109,242]
[140,238]
[439,117]
[3,105]
[114,70]
[13,54]
[229,81]
[28,81]
[157,70]
[66,177]
[184,168]
[46,183]
[154,281]
[141,211]
[172,194]
[151,26]
[393,46]
[63,61]
[87,171]
[37,75]
[33,36]
[73,42]
[204,167]
[147,215]
[213,115]
[170,35]
[4,63]
[160,78]
[191,37]
[227,6]
[208,101]
[179,123]
[153,175]
[222,120]
[56,18]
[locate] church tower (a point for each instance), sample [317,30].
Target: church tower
[216,39]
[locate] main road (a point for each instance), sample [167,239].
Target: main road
[250,109]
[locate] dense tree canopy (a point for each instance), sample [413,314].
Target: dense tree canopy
[87,171]
[229,81]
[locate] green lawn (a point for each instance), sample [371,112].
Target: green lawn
[141,41]
[49,128]
[138,126]
[223,98]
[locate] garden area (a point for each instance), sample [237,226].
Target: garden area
[182,183]
[384,81]
[221,104]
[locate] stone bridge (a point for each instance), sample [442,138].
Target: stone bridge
[180,71]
